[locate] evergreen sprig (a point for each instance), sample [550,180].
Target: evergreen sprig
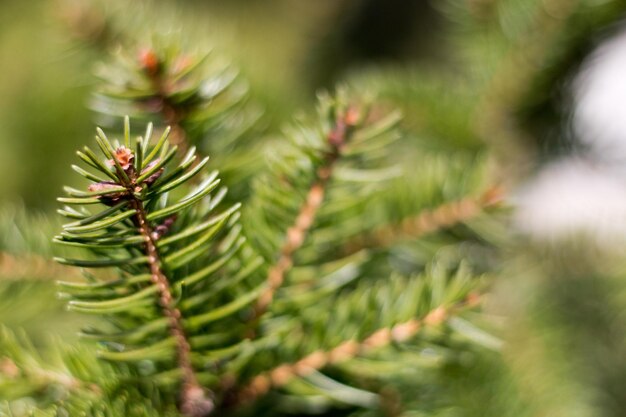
[168,244]
[197,318]
[369,322]
[201,98]
[318,185]
[204,100]
[69,380]
[305,214]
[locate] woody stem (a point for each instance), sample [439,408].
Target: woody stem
[190,386]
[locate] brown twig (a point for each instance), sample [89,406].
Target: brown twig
[172,115]
[194,401]
[12,371]
[31,266]
[349,349]
[297,233]
[428,221]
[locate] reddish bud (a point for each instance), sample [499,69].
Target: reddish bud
[338,135]
[155,175]
[124,156]
[164,227]
[110,198]
[352,116]
[473,299]
[148,60]
[9,368]
[101,186]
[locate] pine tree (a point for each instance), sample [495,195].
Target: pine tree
[361,262]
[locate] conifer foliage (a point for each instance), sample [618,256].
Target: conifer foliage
[265,300]
[141,234]
[203,322]
[338,268]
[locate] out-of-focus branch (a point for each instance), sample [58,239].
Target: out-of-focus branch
[349,349]
[428,221]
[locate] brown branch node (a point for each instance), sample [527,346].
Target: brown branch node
[171,113]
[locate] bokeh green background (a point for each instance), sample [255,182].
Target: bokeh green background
[286,49]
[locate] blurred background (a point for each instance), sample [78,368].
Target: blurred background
[547,73]
[540,84]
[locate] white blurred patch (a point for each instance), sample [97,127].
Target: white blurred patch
[572,197]
[600,100]
[575,196]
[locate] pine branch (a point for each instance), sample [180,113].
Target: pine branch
[9,370]
[310,188]
[161,249]
[23,372]
[172,114]
[337,138]
[204,102]
[193,402]
[189,289]
[31,266]
[64,380]
[358,321]
[427,221]
[349,349]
